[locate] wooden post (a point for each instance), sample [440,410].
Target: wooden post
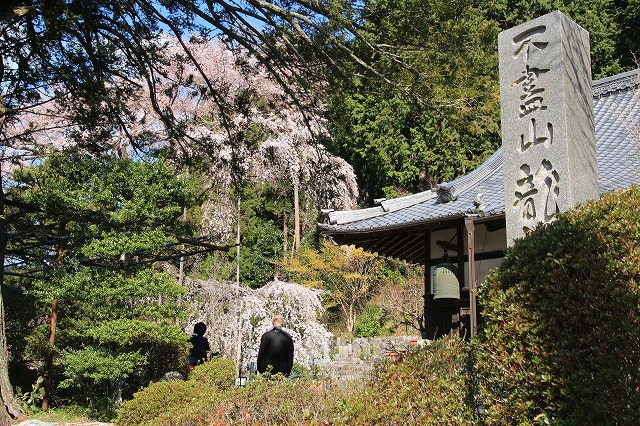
[460,253]
[49,361]
[428,297]
[471,255]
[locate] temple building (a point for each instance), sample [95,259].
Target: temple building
[466,218]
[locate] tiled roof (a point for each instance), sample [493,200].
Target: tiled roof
[617,123]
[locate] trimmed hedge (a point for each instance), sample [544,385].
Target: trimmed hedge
[218,372]
[560,342]
[261,402]
[158,398]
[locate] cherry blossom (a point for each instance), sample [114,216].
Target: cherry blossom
[230,113]
[237,316]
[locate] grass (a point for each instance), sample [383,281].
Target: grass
[66,414]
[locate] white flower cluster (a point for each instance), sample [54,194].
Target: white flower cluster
[237,316]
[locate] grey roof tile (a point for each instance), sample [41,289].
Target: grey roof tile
[617,123]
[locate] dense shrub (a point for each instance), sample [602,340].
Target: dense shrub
[431,386]
[299,370]
[160,397]
[372,323]
[218,372]
[261,402]
[561,335]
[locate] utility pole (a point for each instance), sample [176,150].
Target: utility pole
[181,274]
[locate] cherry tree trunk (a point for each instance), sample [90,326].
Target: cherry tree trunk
[296,216]
[285,233]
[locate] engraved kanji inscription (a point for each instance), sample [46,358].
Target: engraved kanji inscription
[536,136]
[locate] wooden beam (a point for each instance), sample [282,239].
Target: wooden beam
[449,246]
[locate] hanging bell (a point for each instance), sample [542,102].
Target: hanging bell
[445,281]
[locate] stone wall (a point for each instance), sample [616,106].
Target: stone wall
[355,358]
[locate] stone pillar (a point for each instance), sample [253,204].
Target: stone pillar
[548,135]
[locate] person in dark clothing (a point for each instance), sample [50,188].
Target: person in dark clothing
[276,349]
[199,346]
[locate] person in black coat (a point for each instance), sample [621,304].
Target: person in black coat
[199,345]
[276,349]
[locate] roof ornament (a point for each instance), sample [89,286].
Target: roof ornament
[478,203]
[445,193]
[379,201]
[478,200]
[325,214]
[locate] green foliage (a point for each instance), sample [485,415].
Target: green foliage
[350,275]
[69,414]
[262,402]
[262,244]
[111,326]
[217,266]
[299,370]
[218,372]
[33,397]
[105,210]
[561,337]
[281,402]
[96,366]
[444,119]
[612,26]
[116,327]
[440,116]
[161,397]
[431,386]
[372,323]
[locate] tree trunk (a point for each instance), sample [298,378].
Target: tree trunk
[11,407]
[350,317]
[285,233]
[238,247]
[48,369]
[296,215]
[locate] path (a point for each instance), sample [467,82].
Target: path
[42,423]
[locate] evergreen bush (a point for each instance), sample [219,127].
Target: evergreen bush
[431,386]
[156,399]
[262,402]
[372,323]
[561,337]
[218,372]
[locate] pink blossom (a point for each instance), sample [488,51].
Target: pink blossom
[237,316]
